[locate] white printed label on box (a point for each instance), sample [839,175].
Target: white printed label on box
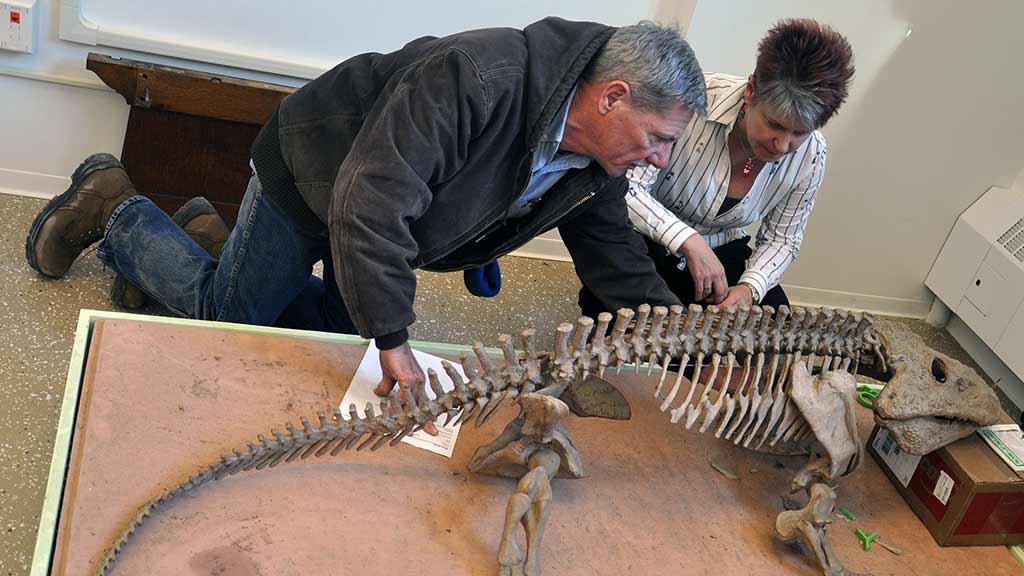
[1008,443]
[899,462]
[943,487]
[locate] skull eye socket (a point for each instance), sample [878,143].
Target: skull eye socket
[939,370]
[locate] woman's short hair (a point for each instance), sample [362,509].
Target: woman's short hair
[803,71]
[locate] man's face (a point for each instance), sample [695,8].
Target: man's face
[631,137]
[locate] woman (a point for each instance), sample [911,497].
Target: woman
[757,155]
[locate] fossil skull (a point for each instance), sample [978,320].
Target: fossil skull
[931,399]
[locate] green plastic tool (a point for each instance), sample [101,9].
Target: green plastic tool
[866,394]
[865,538]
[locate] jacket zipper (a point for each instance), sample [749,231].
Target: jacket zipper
[504,217]
[494,226]
[570,209]
[577,204]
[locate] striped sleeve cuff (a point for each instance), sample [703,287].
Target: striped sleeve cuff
[674,238]
[657,222]
[758,286]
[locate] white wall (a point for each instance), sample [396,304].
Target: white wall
[933,120]
[1018,184]
[47,130]
[54,112]
[319,33]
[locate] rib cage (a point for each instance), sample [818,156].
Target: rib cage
[758,344]
[754,347]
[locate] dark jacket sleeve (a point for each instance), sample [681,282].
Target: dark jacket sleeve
[610,257]
[417,134]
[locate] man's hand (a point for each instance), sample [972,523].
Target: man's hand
[738,296]
[709,282]
[400,367]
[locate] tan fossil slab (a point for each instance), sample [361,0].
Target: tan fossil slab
[161,401]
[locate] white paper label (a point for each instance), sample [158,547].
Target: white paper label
[360,392]
[943,487]
[1008,443]
[899,462]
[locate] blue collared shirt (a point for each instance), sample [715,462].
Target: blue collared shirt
[549,165]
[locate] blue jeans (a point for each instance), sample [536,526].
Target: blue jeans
[264,275]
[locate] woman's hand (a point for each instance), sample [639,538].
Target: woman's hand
[741,295]
[709,283]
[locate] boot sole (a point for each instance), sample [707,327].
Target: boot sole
[101,161]
[194,208]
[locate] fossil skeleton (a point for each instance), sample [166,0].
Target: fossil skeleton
[770,380]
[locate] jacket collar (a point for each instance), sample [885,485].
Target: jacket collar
[558,53]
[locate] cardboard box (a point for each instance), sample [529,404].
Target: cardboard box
[963,493]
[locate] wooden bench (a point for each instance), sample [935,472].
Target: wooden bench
[189,133]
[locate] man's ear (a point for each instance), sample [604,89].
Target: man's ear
[748,91]
[615,94]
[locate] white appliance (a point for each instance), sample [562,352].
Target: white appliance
[979,275]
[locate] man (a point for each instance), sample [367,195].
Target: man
[443,155]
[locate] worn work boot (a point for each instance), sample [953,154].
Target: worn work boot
[200,220]
[76,219]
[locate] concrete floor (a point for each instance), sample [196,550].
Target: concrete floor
[38,318]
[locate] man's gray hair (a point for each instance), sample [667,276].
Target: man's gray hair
[657,63]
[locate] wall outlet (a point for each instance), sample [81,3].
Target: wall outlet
[17,28]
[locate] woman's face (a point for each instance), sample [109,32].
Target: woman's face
[770,134]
